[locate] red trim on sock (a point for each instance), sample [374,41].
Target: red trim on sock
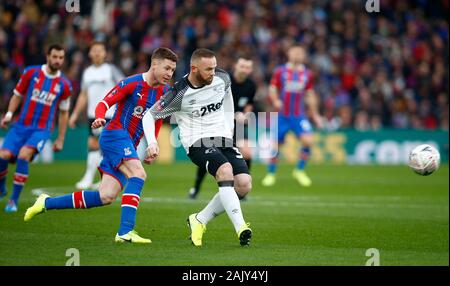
[20,179]
[130,199]
[3,174]
[304,156]
[79,200]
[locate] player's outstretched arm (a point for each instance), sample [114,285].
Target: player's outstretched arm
[19,91]
[274,87]
[312,102]
[274,97]
[148,122]
[12,107]
[63,118]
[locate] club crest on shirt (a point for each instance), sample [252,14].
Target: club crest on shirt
[57,88]
[138,110]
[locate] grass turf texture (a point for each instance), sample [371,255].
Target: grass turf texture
[348,210]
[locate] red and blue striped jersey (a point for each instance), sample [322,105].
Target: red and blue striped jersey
[292,85]
[133,96]
[42,93]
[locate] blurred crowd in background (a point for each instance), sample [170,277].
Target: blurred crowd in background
[372,70]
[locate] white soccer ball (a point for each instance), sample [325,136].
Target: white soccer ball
[424,159]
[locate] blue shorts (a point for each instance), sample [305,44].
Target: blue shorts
[116,147]
[20,136]
[298,125]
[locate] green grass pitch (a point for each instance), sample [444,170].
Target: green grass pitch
[348,210]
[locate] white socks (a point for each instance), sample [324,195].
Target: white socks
[232,206]
[213,209]
[225,200]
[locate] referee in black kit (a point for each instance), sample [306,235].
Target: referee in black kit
[244,89]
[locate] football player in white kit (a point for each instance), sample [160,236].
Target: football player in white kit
[97,80]
[202,103]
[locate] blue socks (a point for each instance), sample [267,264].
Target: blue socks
[305,153]
[130,203]
[20,178]
[272,168]
[76,200]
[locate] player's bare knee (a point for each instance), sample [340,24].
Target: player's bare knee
[5,155]
[306,140]
[224,173]
[107,198]
[25,155]
[139,173]
[243,185]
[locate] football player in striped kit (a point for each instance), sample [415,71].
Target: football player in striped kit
[43,90]
[120,165]
[291,92]
[202,104]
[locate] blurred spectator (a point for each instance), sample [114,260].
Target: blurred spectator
[372,70]
[362,121]
[375,122]
[345,117]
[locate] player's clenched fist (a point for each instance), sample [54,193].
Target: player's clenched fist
[4,123]
[99,122]
[6,120]
[58,145]
[151,153]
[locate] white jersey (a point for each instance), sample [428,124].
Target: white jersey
[201,112]
[97,81]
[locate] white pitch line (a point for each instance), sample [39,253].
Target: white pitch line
[303,201]
[299,203]
[51,190]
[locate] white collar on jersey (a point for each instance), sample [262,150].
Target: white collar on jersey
[44,70]
[143,78]
[300,67]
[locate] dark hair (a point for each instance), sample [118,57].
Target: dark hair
[164,53]
[52,47]
[243,56]
[95,43]
[297,45]
[202,53]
